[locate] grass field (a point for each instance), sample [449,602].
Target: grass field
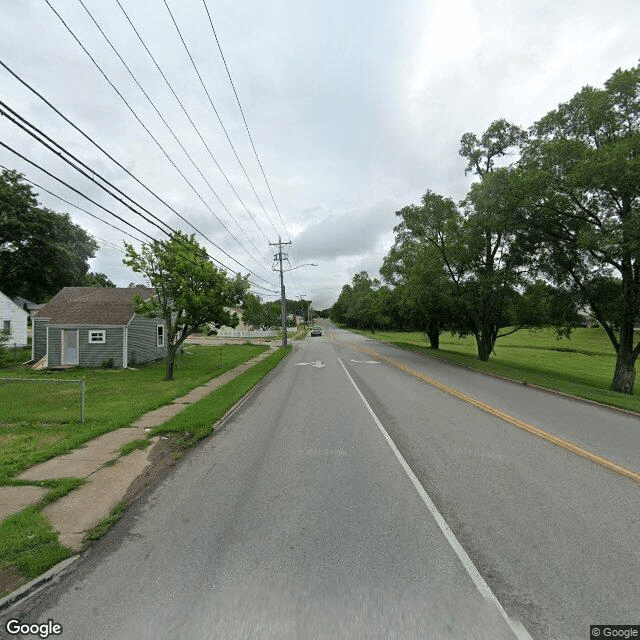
[33,428]
[28,544]
[581,365]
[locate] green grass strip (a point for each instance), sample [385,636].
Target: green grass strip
[196,421]
[106,523]
[28,542]
[115,398]
[140,443]
[568,370]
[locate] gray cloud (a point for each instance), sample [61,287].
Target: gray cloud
[355,108]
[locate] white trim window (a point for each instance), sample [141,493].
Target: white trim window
[159,335]
[97,336]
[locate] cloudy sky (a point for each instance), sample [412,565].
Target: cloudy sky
[356,108]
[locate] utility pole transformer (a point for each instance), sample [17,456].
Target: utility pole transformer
[283,300]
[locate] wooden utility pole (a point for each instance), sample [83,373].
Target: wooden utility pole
[283,300]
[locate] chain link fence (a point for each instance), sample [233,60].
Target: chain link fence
[41,400]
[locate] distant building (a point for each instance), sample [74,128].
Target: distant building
[14,319]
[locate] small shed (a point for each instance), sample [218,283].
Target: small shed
[90,326]
[13,318]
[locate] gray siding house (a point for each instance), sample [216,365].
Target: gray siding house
[87,326]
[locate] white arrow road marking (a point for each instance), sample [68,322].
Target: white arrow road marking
[366,361]
[317,364]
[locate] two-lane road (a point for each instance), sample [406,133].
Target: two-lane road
[351,497]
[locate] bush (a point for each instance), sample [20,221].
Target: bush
[107,364]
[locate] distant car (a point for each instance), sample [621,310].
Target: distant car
[316,330]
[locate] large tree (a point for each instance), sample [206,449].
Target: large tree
[581,170]
[485,255]
[424,296]
[190,290]
[41,251]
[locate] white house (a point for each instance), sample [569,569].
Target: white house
[14,318]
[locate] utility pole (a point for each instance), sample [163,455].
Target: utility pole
[283,300]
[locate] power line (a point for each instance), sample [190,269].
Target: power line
[246,126]
[135,30]
[235,153]
[93,215]
[102,150]
[66,184]
[150,134]
[175,137]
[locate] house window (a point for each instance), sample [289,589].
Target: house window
[6,325]
[160,335]
[97,336]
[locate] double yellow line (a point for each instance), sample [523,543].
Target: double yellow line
[525,426]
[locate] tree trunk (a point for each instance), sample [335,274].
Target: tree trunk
[485,346]
[625,372]
[434,337]
[171,358]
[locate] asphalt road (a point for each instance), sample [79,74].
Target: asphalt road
[349,498]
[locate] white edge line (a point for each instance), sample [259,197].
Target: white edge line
[516,626]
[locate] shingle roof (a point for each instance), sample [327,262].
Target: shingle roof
[92,305]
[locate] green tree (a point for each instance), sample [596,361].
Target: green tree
[41,251]
[253,310]
[92,279]
[423,291]
[190,290]
[485,254]
[581,172]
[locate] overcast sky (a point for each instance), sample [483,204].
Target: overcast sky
[356,108]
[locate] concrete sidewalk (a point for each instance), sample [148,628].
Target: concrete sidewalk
[106,484]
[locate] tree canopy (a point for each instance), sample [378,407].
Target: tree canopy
[190,290]
[550,223]
[41,251]
[581,172]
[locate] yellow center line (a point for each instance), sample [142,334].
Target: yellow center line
[525,426]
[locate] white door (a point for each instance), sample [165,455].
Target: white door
[70,346]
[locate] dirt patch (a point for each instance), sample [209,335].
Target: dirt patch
[162,457]
[10,580]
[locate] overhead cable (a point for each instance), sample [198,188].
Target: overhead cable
[235,153]
[175,137]
[148,132]
[175,95]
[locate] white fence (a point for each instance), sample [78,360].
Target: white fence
[234,333]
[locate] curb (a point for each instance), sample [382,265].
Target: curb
[229,414]
[27,589]
[57,570]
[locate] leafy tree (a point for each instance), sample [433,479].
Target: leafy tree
[41,251]
[365,303]
[486,255]
[253,310]
[97,280]
[190,290]
[423,290]
[581,172]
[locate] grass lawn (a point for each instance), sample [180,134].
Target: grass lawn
[196,421]
[34,428]
[581,365]
[28,544]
